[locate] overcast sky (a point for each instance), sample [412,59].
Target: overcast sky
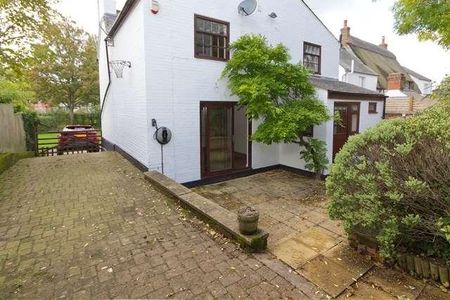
[368,20]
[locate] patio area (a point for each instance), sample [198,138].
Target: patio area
[293,210]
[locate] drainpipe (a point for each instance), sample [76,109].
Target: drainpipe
[109,75]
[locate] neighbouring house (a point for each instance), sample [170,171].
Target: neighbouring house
[376,68]
[173,53]
[41,107]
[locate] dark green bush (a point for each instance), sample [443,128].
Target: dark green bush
[57,120]
[394,181]
[7,160]
[30,123]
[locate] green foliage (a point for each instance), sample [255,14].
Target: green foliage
[16,93]
[7,160]
[442,92]
[314,154]
[57,120]
[393,180]
[279,94]
[22,23]
[430,20]
[30,124]
[64,68]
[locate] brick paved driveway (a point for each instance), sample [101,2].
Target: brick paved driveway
[90,226]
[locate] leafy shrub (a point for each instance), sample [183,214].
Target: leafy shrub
[7,160]
[30,123]
[57,120]
[394,181]
[279,93]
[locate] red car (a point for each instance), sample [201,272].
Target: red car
[78,138]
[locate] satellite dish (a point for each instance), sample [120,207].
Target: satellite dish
[247,7]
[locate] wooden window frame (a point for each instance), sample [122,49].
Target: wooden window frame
[358,113]
[319,56]
[227,36]
[371,111]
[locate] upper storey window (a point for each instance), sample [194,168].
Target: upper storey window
[312,56]
[212,38]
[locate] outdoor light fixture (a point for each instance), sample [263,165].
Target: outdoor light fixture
[273,15]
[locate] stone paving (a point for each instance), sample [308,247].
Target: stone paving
[90,226]
[293,211]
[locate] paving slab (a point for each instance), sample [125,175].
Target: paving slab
[348,258]
[434,293]
[364,291]
[398,284]
[318,239]
[328,275]
[293,252]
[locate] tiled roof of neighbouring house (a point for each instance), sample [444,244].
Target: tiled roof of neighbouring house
[380,60]
[109,20]
[415,74]
[371,47]
[335,85]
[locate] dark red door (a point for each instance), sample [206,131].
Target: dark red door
[347,125]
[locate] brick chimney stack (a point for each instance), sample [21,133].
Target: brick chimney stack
[396,81]
[383,43]
[345,34]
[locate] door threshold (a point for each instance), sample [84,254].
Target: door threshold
[220,178]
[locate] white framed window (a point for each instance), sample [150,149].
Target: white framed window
[362,81]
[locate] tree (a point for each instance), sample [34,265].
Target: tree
[442,92]
[17,93]
[64,68]
[430,20]
[22,23]
[279,94]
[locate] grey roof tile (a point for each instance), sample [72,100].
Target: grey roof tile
[109,20]
[415,74]
[332,84]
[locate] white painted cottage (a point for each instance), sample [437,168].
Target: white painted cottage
[177,50]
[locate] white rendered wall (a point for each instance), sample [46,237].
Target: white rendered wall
[124,119]
[177,82]
[370,81]
[290,153]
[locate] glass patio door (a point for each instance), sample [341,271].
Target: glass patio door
[217,137]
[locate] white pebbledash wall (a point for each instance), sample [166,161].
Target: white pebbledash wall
[370,81]
[167,83]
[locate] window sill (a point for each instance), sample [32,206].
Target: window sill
[211,58]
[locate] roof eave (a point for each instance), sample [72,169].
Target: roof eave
[338,95]
[121,18]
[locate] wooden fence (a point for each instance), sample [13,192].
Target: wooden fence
[12,133]
[48,144]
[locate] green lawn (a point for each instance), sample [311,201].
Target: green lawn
[50,140]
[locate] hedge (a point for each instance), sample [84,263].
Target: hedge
[56,121]
[7,160]
[393,181]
